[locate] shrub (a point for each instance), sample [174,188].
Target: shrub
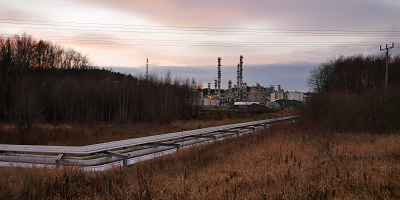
[342,112]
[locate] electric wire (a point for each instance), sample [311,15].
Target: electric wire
[113,41]
[180,27]
[74,26]
[123,28]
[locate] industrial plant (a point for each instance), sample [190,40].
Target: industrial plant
[242,94]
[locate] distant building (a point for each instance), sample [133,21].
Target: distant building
[197,97]
[298,96]
[253,96]
[209,101]
[276,96]
[273,105]
[243,104]
[292,104]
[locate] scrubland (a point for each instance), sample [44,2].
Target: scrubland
[276,163]
[85,134]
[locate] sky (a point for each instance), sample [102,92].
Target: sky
[281,41]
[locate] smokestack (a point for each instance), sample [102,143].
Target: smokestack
[147,69]
[229,84]
[219,76]
[241,72]
[238,75]
[209,89]
[272,88]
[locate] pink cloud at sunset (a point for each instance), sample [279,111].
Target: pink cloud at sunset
[187,33]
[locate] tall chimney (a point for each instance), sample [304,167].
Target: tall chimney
[219,77]
[208,89]
[241,72]
[238,75]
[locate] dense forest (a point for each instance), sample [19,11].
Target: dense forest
[45,82]
[350,95]
[354,74]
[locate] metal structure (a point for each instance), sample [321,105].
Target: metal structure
[240,89]
[147,69]
[209,89]
[241,73]
[219,77]
[387,49]
[238,76]
[103,156]
[239,92]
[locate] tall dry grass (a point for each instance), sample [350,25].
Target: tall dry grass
[370,111]
[277,163]
[81,134]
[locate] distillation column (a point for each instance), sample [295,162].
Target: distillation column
[219,77]
[209,89]
[240,77]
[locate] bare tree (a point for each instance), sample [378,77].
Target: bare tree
[27,107]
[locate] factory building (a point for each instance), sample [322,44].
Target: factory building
[210,101]
[298,96]
[277,95]
[240,92]
[253,96]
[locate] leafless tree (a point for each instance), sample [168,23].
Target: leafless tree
[27,106]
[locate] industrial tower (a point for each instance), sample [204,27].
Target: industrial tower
[241,72]
[240,85]
[219,77]
[147,69]
[209,89]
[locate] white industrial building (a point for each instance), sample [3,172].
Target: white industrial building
[298,96]
[276,96]
[209,101]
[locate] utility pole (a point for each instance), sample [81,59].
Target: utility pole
[147,69]
[387,49]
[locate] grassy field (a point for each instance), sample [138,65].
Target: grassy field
[282,162]
[85,134]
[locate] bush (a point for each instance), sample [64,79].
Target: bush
[338,111]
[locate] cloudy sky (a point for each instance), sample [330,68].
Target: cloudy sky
[281,41]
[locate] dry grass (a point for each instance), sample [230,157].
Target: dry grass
[277,163]
[80,134]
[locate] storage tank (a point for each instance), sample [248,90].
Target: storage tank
[276,95]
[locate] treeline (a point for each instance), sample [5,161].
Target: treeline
[41,81]
[350,95]
[368,112]
[354,74]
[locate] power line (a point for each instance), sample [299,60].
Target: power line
[113,41]
[207,28]
[148,29]
[125,42]
[265,34]
[123,28]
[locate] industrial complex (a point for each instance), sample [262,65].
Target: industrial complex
[242,94]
